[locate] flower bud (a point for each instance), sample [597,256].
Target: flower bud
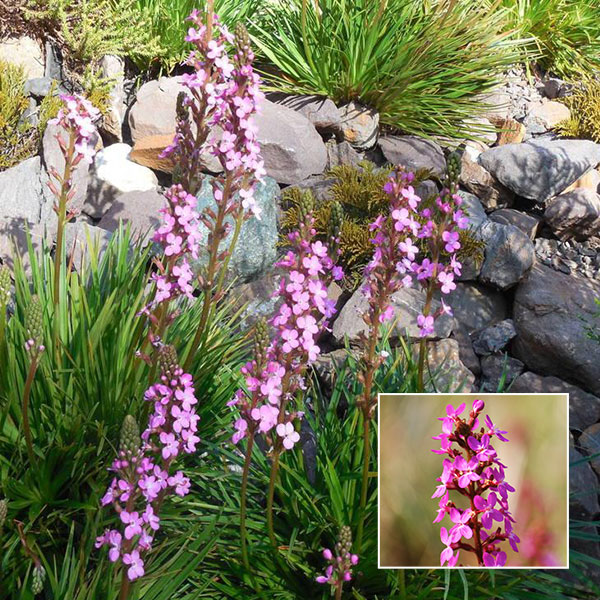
[261,341]
[130,440]
[33,327]
[4,286]
[345,540]
[167,361]
[327,555]
[306,205]
[3,511]
[453,163]
[37,581]
[242,42]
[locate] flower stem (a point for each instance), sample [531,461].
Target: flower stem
[338,591]
[402,584]
[25,409]
[271,496]
[423,343]
[245,473]
[365,480]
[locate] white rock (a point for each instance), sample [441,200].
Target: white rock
[25,52]
[113,167]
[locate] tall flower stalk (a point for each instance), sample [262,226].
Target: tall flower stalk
[145,472]
[76,120]
[34,347]
[275,378]
[341,561]
[222,93]
[410,244]
[473,470]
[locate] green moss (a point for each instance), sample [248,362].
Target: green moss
[585,113]
[17,138]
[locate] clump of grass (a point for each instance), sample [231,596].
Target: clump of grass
[564,33]
[419,64]
[585,113]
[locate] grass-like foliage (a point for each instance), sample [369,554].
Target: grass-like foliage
[565,33]
[420,64]
[77,403]
[167,18]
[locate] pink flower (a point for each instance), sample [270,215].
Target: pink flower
[289,434]
[133,522]
[494,560]
[425,324]
[447,554]
[447,281]
[451,239]
[137,565]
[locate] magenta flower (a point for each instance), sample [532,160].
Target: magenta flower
[493,430]
[340,562]
[473,470]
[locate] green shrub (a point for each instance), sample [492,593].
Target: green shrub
[420,64]
[169,26]
[89,29]
[17,138]
[585,113]
[565,34]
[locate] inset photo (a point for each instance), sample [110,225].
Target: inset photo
[473,480]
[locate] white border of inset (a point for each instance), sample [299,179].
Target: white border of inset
[472,395]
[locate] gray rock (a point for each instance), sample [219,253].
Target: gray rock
[575,214]
[496,104]
[341,154]
[495,338]
[480,182]
[407,304]
[584,408]
[589,440]
[499,371]
[465,349]
[38,86]
[53,158]
[319,110]
[551,311]
[553,88]
[327,366]
[53,67]
[290,145]
[24,52]
[473,209]
[256,249]
[475,306]
[509,254]
[426,189]
[527,223]
[445,372]
[153,112]
[542,169]
[359,125]
[138,210]
[14,236]
[319,185]
[114,67]
[583,488]
[21,194]
[413,153]
[255,298]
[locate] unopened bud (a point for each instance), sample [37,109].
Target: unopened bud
[3,511]
[306,205]
[4,286]
[453,163]
[37,581]
[335,219]
[242,42]
[167,361]
[261,340]
[129,442]
[33,327]
[344,541]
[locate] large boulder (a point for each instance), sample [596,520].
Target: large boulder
[446,372]
[256,248]
[584,408]
[551,312]
[289,144]
[113,68]
[509,254]
[527,223]
[541,169]
[407,303]
[413,153]
[476,306]
[575,214]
